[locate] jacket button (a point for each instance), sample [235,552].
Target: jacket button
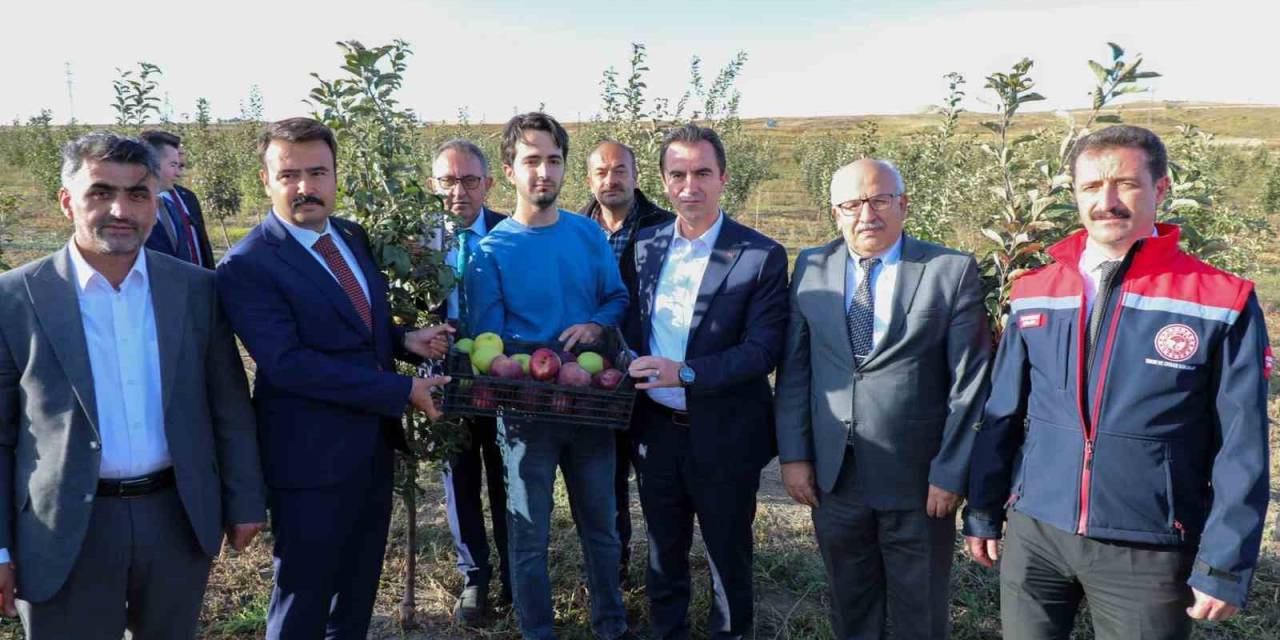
[88,497]
[94,445]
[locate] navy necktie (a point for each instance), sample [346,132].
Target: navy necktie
[860,318]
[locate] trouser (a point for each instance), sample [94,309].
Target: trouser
[480,463]
[139,568]
[622,492]
[673,491]
[585,455]
[1135,592]
[329,545]
[893,564]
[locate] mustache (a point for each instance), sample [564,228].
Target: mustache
[1114,213]
[306,199]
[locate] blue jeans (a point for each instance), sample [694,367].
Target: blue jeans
[531,452]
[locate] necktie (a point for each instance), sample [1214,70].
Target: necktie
[1106,273]
[332,257]
[464,258]
[860,318]
[188,231]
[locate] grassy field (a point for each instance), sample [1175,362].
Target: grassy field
[791,594]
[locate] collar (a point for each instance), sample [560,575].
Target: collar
[305,237]
[890,256]
[477,226]
[1154,253]
[595,211]
[85,273]
[708,237]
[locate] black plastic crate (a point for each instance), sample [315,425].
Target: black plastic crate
[529,400]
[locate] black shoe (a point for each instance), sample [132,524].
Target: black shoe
[472,607]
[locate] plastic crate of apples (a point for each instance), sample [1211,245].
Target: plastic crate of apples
[528,382]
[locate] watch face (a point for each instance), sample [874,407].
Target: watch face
[686,375]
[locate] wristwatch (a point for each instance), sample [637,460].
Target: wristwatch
[686,375]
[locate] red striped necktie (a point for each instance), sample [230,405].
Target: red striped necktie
[332,257]
[188,231]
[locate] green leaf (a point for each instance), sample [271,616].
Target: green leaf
[1099,72]
[1116,51]
[1107,118]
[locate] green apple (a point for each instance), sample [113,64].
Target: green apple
[490,339]
[591,361]
[464,345]
[523,359]
[483,355]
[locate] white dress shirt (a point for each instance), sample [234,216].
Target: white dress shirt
[1090,260]
[674,299]
[883,279]
[307,238]
[124,356]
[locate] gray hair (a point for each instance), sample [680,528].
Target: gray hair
[103,146]
[897,175]
[462,145]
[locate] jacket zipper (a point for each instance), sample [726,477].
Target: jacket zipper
[1091,426]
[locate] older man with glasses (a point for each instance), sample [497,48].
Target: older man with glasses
[883,378]
[460,175]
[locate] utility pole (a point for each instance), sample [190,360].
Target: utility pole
[71,102]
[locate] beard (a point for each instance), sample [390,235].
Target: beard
[116,244]
[545,199]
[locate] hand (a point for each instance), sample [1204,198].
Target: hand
[586,333]
[941,503]
[240,535]
[430,343]
[1207,607]
[797,477]
[420,395]
[7,580]
[665,370]
[984,551]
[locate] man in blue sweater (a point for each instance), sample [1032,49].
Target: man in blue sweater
[541,275]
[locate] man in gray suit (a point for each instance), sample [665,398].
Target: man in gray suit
[883,377]
[127,442]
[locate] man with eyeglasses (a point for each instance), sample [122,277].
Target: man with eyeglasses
[460,175]
[621,209]
[883,379]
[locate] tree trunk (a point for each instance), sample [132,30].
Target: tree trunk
[226,239]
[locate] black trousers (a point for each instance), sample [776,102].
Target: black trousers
[464,478]
[622,491]
[1135,592]
[672,494]
[883,565]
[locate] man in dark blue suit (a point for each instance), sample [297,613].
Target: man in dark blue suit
[708,316]
[179,229]
[310,305]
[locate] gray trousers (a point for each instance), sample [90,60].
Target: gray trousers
[883,564]
[139,568]
[1135,592]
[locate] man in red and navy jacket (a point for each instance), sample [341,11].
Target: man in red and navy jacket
[1126,432]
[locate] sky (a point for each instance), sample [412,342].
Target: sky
[493,58]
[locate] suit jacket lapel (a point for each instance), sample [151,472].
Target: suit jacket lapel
[835,280]
[169,301]
[723,257]
[300,258]
[910,269]
[52,290]
[650,257]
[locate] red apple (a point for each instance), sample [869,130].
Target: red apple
[544,364]
[607,379]
[572,374]
[504,367]
[482,396]
[531,398]
[561,402]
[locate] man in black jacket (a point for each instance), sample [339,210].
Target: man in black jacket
[621,210]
